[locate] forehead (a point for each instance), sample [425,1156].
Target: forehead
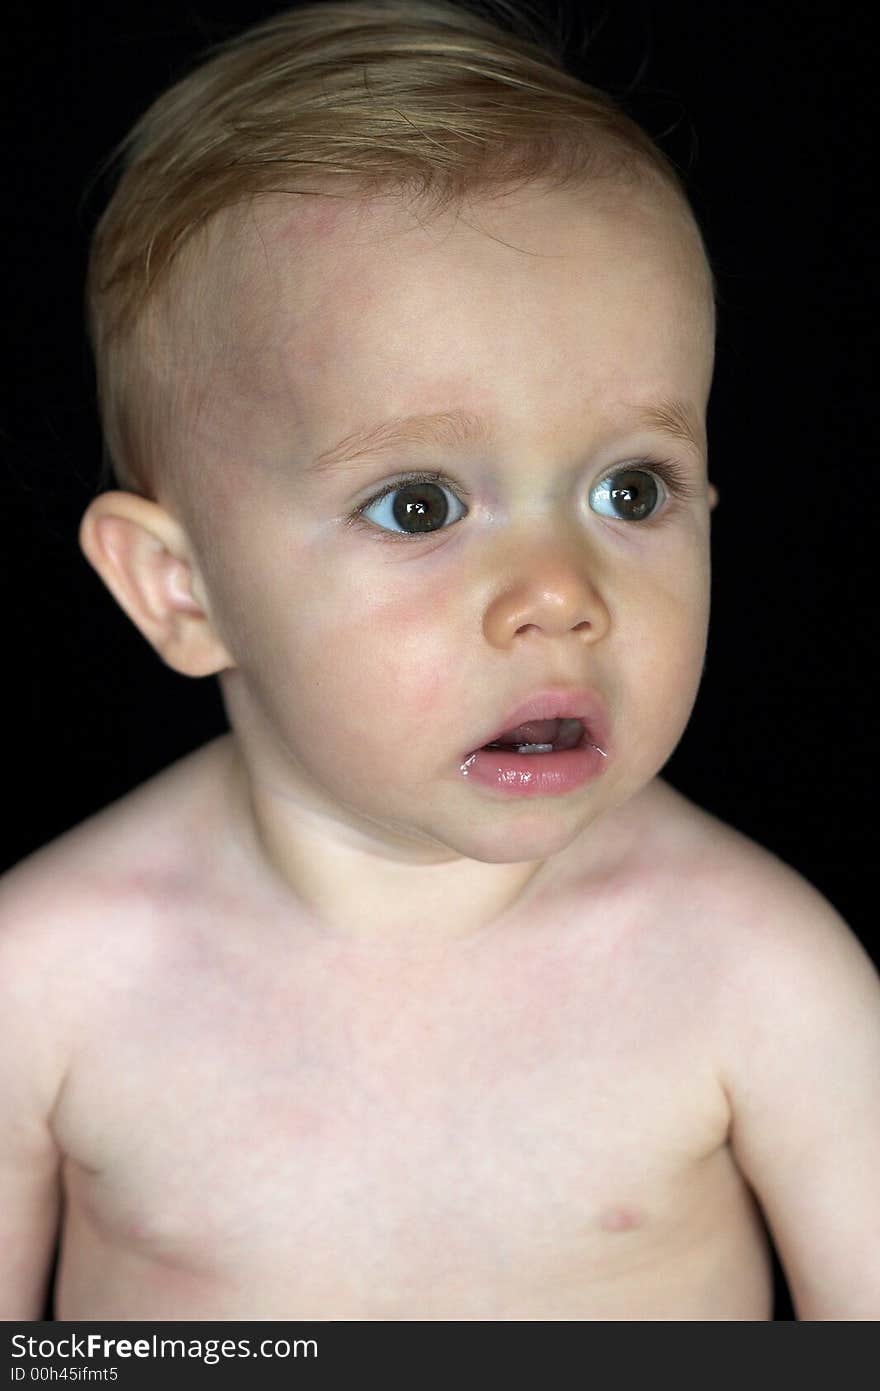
[361,308]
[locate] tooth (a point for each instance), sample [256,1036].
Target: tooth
[534,748]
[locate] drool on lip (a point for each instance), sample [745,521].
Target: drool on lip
[535,770]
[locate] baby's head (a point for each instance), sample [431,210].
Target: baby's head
[355,214]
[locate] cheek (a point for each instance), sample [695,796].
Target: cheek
[398,648]
[666,653]
[328,645]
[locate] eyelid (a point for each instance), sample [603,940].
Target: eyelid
[416,476]
[678,480]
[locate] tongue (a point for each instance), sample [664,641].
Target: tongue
[535,732]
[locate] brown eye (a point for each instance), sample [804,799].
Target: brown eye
[412,507]
[631,494]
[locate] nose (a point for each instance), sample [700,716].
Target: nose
[545,593]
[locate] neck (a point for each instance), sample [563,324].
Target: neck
[338,880]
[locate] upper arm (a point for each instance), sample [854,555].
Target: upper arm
[31,1071]
[802,1070]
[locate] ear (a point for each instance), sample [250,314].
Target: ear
[143,556]
[713,496]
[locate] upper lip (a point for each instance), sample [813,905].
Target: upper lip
[559,703]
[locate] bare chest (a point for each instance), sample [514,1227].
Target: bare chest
[353,1141]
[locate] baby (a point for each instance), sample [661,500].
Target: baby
[419,994]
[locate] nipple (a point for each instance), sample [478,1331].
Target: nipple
[619,1219]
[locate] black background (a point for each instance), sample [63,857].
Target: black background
[769,111]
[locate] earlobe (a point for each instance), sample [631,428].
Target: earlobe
[713,497]
[143,557]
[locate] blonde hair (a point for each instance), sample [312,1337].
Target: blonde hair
[364,97]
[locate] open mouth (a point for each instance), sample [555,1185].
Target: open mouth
[541,737]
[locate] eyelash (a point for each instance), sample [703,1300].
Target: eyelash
[674,478]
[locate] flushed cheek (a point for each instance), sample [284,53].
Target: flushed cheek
[402,657]
[376,677]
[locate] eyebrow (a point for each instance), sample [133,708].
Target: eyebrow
[455,429]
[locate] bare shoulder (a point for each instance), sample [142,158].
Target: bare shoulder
[77,901]
[144,831]
[750,892]
[783,953]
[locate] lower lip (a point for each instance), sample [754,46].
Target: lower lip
[535,774]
